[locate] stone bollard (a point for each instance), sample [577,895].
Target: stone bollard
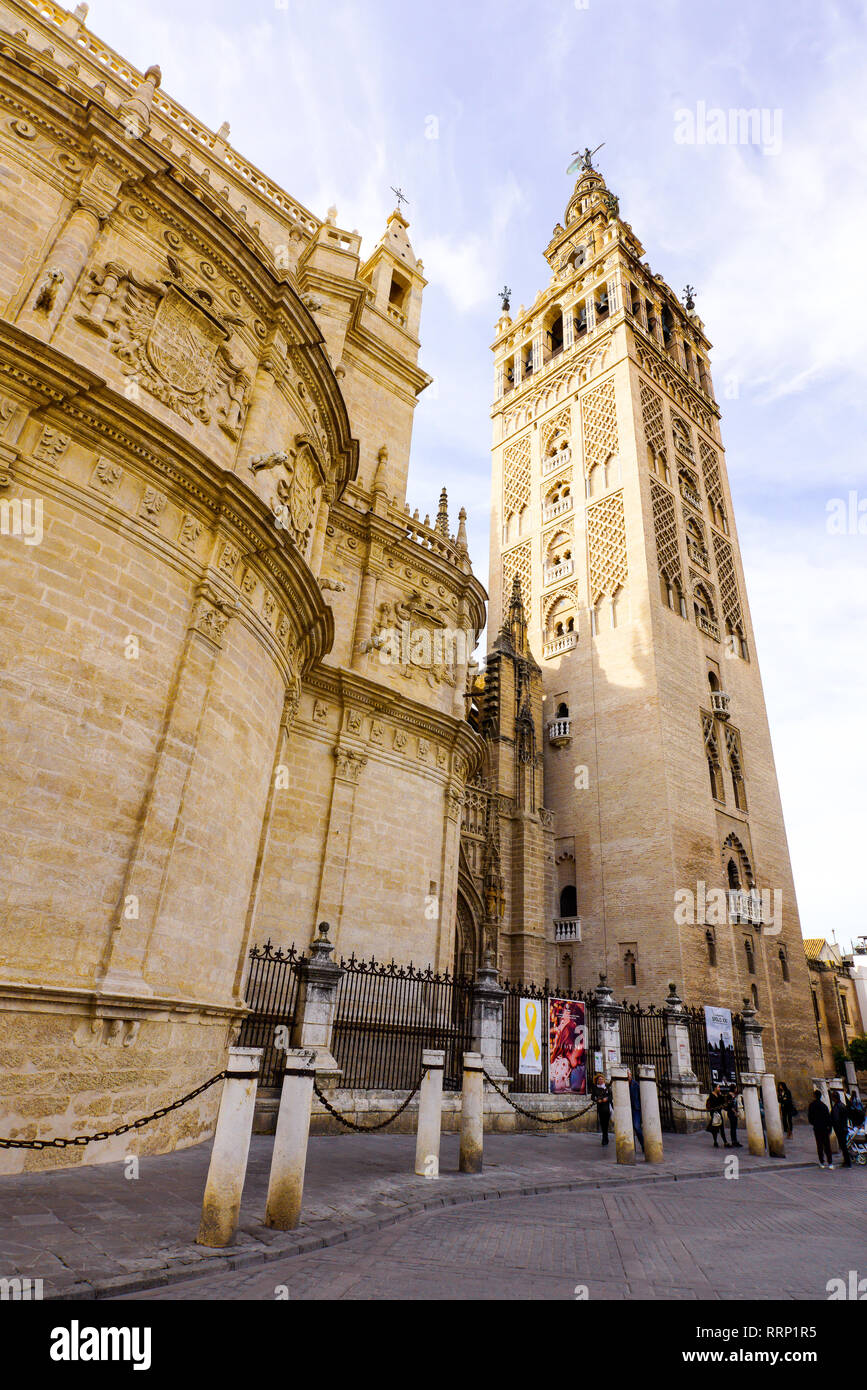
[651,1123]
[430,1115]
[773,1118]
[623,1136]
[221,1206]
[472,1114]
[289,1159]
[750,1082]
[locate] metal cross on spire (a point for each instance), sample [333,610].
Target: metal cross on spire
[583,159]
[399,195]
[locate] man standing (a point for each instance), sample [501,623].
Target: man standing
[840,1125]
[819,1116]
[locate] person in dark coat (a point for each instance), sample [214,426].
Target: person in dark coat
[840,1125]
[731,1111]
[635,1103]
[602,1097]
[819,1116]
[787,1107]
[715,1106]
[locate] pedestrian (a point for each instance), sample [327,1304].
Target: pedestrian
[635,1104]
[819,1116]
[731,1110]
[787,1107]
[840,1125]
[715,1106]
[602,1097]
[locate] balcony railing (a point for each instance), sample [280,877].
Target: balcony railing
[699,555]
[555,461]
[690,494]
[560,644]
[567,928]
[708,626]
[555,572]
[745,907]
[559,732]
[556,508]
[720,703]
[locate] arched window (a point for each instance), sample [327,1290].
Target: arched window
[784,963]
[711,946]
[750,955]
[562,711]
[569,901]
[733,874]
[630,972]
[755,994]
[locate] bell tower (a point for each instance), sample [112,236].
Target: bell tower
[612,506]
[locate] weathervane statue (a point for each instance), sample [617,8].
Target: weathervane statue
[400,196]
[583,159]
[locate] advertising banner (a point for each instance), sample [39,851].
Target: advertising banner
[567,1046]
[720,1044]
[530,1037]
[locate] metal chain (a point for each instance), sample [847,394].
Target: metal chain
[366,1129]
[531,1114]
[81,1139]
[684,1105]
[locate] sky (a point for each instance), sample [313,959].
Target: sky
[474,109]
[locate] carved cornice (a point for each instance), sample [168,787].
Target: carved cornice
[71,402]
[350,690]
[198,214]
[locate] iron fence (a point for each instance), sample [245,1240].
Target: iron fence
[643,1040]
[272,993]
[388,1014]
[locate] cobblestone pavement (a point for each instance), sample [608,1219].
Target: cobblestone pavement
[766,1236]
[94,1231]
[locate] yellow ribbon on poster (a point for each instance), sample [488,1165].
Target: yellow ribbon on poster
[531,1018]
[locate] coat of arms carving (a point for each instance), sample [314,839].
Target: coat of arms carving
[173,338]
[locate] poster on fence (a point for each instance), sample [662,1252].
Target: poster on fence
[567,1046]
[720,1044]
[530,1037]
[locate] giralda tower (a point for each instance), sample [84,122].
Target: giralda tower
[611,502]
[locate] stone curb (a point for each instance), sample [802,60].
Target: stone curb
[241,1259]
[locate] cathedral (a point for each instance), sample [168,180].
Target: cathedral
[238,674]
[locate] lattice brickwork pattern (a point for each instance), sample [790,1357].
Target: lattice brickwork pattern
[728,584]
[561,422]
[516,477]
[606,537]
[710,469]
[654,421]
[599,419]
[518,561]
[665,530]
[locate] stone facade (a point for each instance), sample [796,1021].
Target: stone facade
[229,702]
[611,504]
[836,1003]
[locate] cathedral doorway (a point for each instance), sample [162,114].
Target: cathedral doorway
[466,939]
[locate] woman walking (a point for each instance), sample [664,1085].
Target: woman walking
[602,1097]
[716,1103]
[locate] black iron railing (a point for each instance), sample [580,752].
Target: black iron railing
[388,1014]
[643,1040]
[698,1047]
[272,992]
